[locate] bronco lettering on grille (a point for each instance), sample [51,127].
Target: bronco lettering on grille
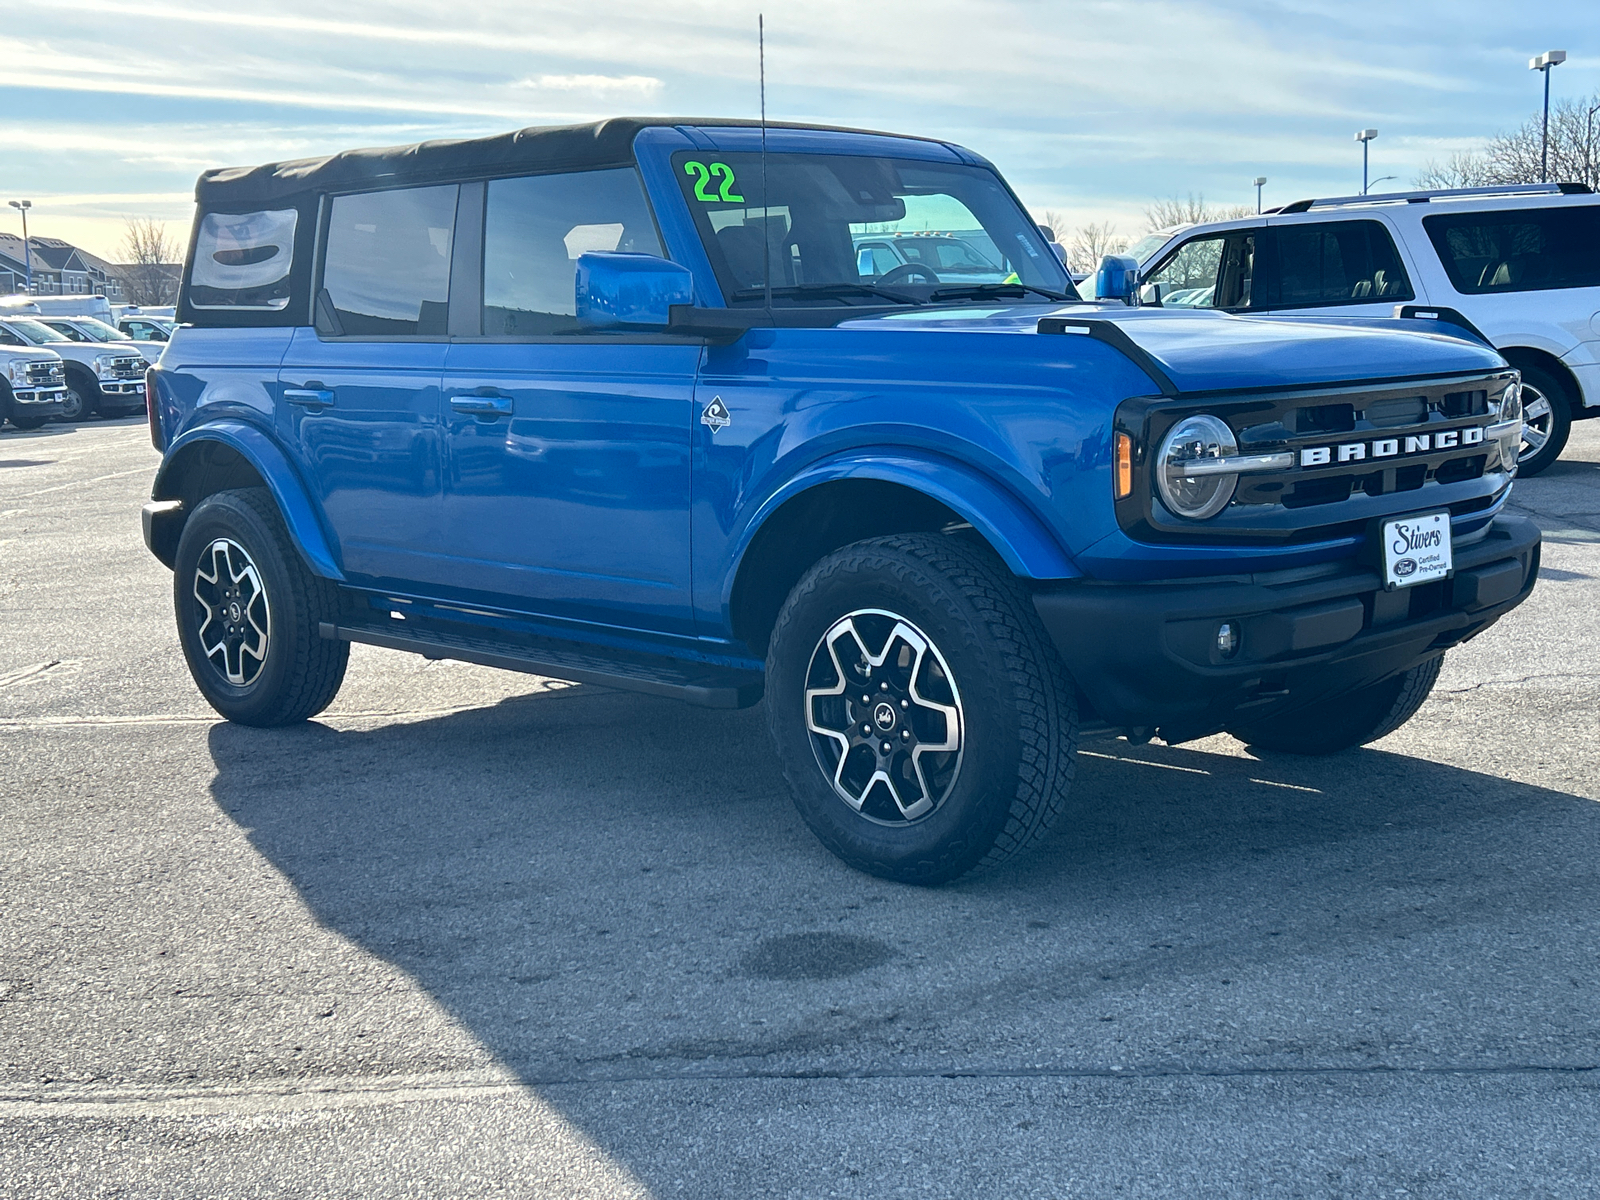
[1420,443]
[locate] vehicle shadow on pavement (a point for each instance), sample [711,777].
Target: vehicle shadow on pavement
[605,886]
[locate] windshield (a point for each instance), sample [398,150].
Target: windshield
[99,331]
[35,332]
[1148,245]
[846,229]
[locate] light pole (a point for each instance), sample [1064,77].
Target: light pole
[27,247]
[1259,181]
[1542,64]
[1364,136]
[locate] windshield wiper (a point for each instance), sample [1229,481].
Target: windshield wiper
[828,291]
[976,290]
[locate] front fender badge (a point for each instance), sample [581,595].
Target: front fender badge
[716,415]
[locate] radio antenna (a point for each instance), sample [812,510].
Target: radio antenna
[766,208]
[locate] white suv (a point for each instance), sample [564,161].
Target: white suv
[1519,262]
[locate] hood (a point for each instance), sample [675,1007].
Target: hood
[30,353]
[1203,351]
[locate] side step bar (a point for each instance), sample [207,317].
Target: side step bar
[697,683]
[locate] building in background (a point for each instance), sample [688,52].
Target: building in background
[59,269]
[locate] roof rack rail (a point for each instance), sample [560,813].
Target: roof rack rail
[1423,197]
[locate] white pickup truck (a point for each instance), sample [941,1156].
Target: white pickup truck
[33,383]
[100,377]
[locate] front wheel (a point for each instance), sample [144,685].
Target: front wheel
[1353,719]
[248,612]
[75,403]
[923,718]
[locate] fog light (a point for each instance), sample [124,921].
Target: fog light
[1227,639]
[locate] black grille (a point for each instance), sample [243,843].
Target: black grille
[42,374]
[128,368]
[1357,453]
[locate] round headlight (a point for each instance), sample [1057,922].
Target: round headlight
[1191,443]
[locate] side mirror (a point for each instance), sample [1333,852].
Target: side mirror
[1117,279]
[617,290]
[864,264]
[1150,294]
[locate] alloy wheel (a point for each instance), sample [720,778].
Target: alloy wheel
[1538,422]
[885,717]
[235,630]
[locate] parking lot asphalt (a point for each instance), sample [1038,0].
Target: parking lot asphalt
[479,934]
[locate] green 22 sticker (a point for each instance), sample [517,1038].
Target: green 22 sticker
[704,175]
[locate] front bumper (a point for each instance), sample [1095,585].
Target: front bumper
[121,393]
[1146,660]
[39,401]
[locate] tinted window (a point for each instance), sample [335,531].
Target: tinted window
[1338,262]
[71,334]
[387,265]
[242,260]
[535,228]
[1520,250]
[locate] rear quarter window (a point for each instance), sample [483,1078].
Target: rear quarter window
[242,261]
[1518,250]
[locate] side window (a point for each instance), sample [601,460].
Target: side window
[535,228]
[72,334]
[387,263]
[880,258]
[242,260]
[1189,278]
[1333,262]
[7,338]
[1519,250]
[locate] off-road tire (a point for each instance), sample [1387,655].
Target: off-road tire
[1353,719]
[1019,710]
[301,671]
[1559,425]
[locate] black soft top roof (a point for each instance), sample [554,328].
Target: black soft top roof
[606,143]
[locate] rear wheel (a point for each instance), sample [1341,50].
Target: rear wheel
[1353,719]
[923,718]
[1546,421]
[248,611]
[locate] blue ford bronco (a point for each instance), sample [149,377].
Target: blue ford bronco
[636,404]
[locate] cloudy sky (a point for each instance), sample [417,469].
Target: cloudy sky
[112,108]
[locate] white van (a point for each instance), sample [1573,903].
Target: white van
[1520,262]
[97,307]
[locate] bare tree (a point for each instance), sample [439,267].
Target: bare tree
[150,276]
[1459,170]
[1092,242]
[1057,221]
[1514,157]
[1085,245]
[1190,210]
